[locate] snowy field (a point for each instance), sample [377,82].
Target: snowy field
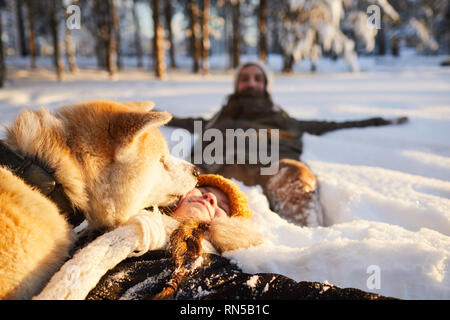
[385,190]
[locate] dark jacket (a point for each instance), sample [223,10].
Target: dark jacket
[259,112]
[216,279]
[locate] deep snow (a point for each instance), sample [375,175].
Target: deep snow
[385,190]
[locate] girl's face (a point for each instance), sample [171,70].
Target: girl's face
[204,203]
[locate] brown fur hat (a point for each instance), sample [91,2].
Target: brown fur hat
[238,200]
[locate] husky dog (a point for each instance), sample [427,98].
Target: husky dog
[109,159]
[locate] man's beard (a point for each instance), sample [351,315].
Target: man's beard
[251,92]
[249,104]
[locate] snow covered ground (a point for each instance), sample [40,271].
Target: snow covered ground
[385,190]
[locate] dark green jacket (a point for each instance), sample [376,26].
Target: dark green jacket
[259,112]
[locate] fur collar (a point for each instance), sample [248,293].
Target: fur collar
[40,176]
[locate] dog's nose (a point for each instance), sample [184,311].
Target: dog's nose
[195,172]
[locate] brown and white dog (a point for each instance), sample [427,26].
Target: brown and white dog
[111,161]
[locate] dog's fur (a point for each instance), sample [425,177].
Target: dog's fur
[111,160]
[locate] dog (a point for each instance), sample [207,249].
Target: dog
[109,159]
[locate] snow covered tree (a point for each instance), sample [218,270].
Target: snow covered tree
[310,26]
[421,24]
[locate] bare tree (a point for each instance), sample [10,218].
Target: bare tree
[55,8]
[168,17]
[158,42]
[262,26]
[193,18]
[205,35]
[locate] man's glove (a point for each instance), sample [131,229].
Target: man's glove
[399,120]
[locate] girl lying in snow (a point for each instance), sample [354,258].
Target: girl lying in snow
[216,209]
[189,268]
[218,204]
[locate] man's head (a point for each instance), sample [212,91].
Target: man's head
[251,77]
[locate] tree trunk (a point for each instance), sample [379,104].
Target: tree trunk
[193,15]
[2,58]
[104,47]
[109,37]
[236,33]
[381,41]
[115,34]
[32,39]
[137,37]
[168,16]
[158,42]
[21,32]
[262,25]
[69,49]
[205,35]
[57,61]
[288,62]
[227,35]
[395,46]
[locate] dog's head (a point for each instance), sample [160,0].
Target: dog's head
[125,159]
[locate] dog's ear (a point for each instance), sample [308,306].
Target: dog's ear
[125,127]
[140,105]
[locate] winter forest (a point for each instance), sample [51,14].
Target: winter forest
[161,31]
[383,189]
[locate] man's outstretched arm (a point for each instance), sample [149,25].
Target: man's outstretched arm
[185,123]
[321,127]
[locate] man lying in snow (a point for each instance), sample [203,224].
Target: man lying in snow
[292,190]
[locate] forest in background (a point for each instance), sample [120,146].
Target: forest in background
[110,30]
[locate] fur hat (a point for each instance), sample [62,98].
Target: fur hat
[238,200]
[267,73]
